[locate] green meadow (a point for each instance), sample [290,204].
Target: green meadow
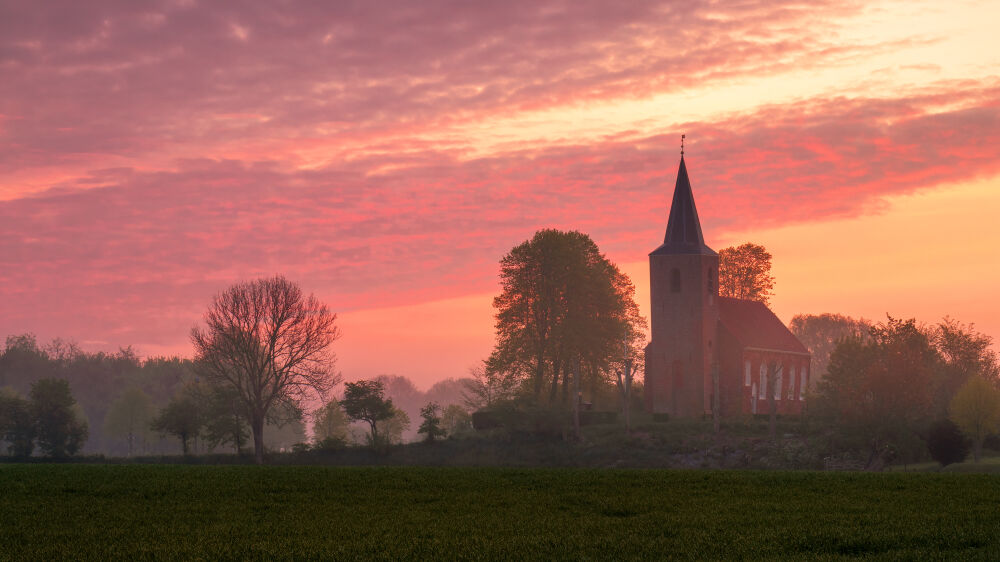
[54,511]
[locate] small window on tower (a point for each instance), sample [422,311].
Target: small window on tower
[711,281]
[675,280]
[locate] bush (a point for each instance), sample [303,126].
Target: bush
[946,443]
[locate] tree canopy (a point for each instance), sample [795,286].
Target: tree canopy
[975,409]
[562,305]
[59,429]
[745,273]
[270,344]
[365,401]
[881,390]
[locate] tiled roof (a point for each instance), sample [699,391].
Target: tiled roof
[754,325]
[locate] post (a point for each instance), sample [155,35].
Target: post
[576,404]
[628,392]
[772,405]
[715,397]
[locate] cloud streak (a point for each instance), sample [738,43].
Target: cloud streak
[396,229]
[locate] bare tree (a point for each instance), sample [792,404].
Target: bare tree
[269,343]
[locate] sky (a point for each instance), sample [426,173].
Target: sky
[386,155]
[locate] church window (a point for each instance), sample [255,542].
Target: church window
[777,383]
[746,373]
[803,381]
[791,383]
[675,280]
[762,389]
[711,281]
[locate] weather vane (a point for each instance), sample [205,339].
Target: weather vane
[682,145]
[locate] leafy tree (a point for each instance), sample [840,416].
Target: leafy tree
[881,390]
[431,425]
[975,409]
[330,425]
[562,302]
[16,426]
[182,417]
[456,421]
[129,417]
[946,444]
[394,427]
[365,401]
[966,353]
[270,344]
[224,417]
[487,388]
[745,273]
[58,428]
[821,333]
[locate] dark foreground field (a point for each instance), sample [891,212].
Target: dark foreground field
[206,512]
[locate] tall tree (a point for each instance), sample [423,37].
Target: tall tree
[966,353]
[562,303]
[821,333]
[224,417]
[182,417]
[269,343]
[129,417]
[16,426]
[395,426]
[975,409]
[745,273]
[330,424]
[881,390]
[59,429]
[365,401]
[431,424]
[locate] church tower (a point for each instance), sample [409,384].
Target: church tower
[684,317]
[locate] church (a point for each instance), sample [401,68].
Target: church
[703,344]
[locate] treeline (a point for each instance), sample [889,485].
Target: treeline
[894,391]
[118,404]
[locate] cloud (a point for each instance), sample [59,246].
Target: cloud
[137,257]
[88,83]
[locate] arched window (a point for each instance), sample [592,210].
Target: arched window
[778,375]
[762,389]
[746,373]
[675,280]
[791,382]
[803,382]
[711,281]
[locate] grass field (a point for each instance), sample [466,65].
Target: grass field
[239,512]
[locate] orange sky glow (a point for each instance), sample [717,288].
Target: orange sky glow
[385,158]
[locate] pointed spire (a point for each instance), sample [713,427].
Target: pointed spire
[683,227]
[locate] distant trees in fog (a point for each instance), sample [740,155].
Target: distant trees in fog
[49,419]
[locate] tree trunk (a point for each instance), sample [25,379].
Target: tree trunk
[555,382]
[539,371]
[257,424]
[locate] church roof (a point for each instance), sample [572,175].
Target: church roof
[683,228]
[755,326]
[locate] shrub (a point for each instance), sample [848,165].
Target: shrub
[946,443]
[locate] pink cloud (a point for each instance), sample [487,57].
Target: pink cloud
[136,258]
[87,82]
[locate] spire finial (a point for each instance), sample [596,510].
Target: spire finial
[682,146]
